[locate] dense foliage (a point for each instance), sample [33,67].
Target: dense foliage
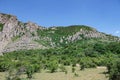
[87,54]
[114,69]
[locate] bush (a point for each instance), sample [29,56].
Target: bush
[29,71]
[87,62]
[73,69]
[13,74]
[36,67]
[114,70]
[4,66]
[82,66]
[53,66]
[1,27]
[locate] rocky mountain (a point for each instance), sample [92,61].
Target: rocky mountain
[16,35]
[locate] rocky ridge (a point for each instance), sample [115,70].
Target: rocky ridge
[16,35]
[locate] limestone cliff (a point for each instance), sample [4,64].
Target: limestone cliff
[16,35]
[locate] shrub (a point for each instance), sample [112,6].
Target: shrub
[114,70]
[29,71]
[82,66]
[36,67]
[4,66]
[1,27]
[53,66]
[12,74]
[73,69]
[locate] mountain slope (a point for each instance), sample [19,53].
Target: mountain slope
[15,35]
[70,34]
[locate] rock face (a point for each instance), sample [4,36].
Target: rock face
[15,35]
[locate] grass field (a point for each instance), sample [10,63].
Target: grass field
[87,74]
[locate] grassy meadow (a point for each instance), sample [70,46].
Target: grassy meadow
[87,74]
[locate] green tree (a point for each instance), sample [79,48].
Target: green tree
[29,71]
[114,70]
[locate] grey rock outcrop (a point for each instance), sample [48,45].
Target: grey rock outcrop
[17,35]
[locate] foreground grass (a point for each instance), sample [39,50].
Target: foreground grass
[87,74]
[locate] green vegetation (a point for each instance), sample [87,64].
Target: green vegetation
[87,53]
[56,34]
[1,26]
[8,15]
[17,37]
[61,35]
[114,69]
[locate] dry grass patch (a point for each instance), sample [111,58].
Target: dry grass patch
[87,74]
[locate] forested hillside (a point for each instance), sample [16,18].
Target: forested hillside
[27,48]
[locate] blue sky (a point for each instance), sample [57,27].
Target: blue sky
[104,15]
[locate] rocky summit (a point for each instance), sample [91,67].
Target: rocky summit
[16,35]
